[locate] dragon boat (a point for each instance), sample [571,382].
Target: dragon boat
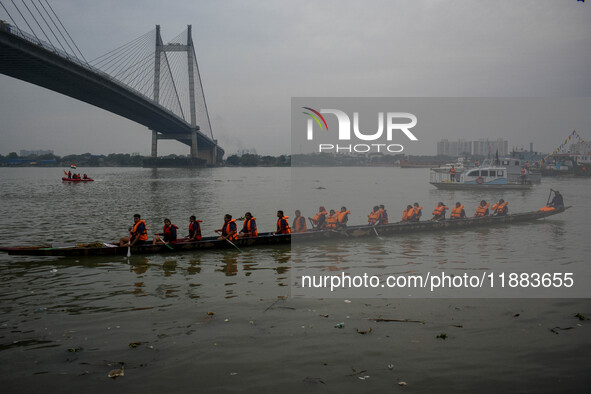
[213,243]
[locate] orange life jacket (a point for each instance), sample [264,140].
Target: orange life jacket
[546,209]
[500,208]
[195,229]
[283,229]
[416,213]
[226,230]
[319,218]
[250,227]
[299,225]
[440,210]
[332,221]
[374,217]
[456,212]
[144,235]
[481,210]
[341,216]
[406,214]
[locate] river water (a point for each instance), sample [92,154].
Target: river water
[225,321]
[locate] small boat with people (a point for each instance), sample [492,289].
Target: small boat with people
[498,217]
[479,178]
[76,180]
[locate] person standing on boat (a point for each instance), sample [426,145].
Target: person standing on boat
[482,209]
[452,174]
[383,215]
[458,212]
[417,212]
[194,229]
[319,219]
[85,176]
[500,208]
[69,174]
[342,217]
[282,224]
[168,234]
[138,234]
[439,212]
[250,227]
[374,217]
[523,175]
[228,230]
[299,223]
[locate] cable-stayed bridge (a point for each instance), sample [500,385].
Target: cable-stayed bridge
[147,81]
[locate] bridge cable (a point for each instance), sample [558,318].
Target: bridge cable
[25,19]
[196,65]
[73,52]
[68,34]
[51,30]
[38,24]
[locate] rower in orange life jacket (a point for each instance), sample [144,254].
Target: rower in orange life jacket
[228,230]
[407,213]
[439,212]
[320,218]
[137,235]
[250,227]
[383,215]
[299,223]
[282,224]
[168,234]
[457,212]
[482,209]
[332,220]
[417,212]
[374,217]
[500,208]
[194,229]
[343,217]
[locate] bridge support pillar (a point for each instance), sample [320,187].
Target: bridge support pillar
[154,144]
[194,145]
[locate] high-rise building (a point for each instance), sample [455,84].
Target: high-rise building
[454,148]
[484,147]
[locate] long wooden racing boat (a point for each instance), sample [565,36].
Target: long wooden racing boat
[211,243]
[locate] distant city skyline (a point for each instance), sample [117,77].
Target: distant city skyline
[254,57]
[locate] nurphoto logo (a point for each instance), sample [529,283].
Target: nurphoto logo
[395,121]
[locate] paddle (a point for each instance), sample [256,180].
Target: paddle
[231,243]
[549,195]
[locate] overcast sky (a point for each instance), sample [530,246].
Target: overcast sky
[255,55]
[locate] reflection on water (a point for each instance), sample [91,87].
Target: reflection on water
[102,304]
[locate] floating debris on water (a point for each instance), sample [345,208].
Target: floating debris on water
[115,373]
[339,325]
[442,336]
[363,332]
[211,313]
[347,301]
[75,349]
[134,344]
[580,316]
[401,383]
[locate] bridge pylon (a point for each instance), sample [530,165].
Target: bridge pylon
[210,155]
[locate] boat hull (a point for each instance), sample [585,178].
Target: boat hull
[213,243]
[64,179]
[476,186]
